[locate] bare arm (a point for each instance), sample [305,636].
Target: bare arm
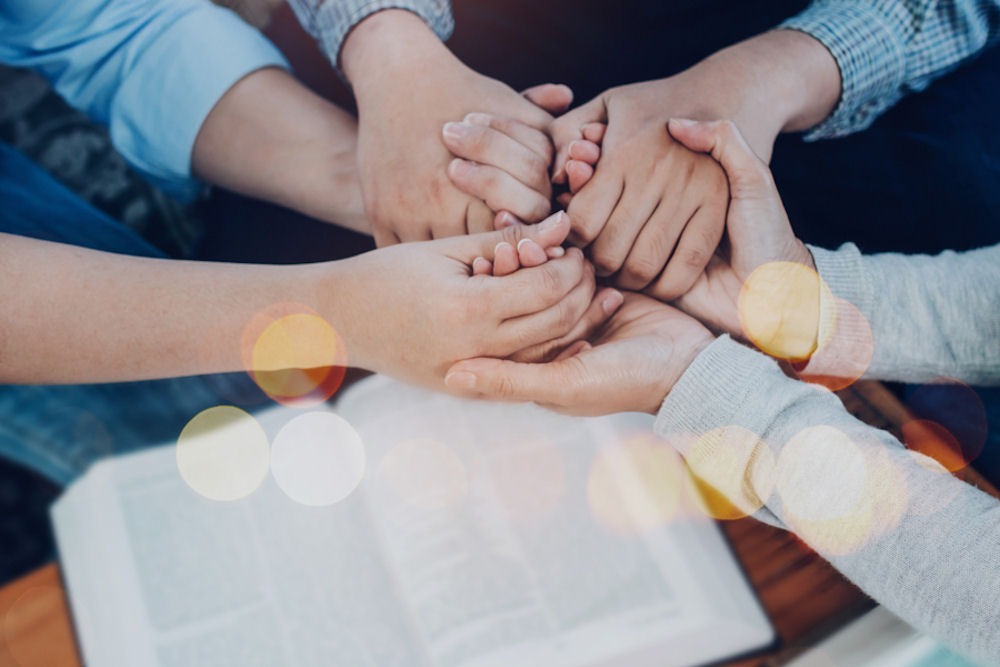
[74,315]
[271,138]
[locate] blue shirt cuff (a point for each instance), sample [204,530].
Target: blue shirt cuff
[869,49]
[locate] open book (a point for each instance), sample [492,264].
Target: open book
[481,534]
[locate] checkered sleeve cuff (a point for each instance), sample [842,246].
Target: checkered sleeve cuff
[868,43]
[330,21]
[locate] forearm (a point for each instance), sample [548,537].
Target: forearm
[930,316]
[73,315]
[779,81]
[916,539]
[271,138]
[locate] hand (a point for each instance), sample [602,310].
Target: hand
[758,234]
[407,86]
[413,310]
[654,212]
[504,162]
[632,365]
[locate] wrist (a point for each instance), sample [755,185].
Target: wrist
[779,81]
[387,40]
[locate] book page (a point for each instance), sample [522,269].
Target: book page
[491,517]
[262,581]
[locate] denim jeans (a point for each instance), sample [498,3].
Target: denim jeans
[59,431]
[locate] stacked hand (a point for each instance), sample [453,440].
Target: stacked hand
[633,360]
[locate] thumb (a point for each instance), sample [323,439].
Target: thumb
[503,380]
[552,97]
[548,233]
[749,177]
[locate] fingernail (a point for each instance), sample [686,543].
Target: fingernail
[454,131]
[479,262]
[684,122]
[460,380]
[612,302]
[500,245]
[552,222]
[504,220]
[520,244]
[554,252]
[478,118]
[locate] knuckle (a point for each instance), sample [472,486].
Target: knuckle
[606,261]
[694,258]
[641,270]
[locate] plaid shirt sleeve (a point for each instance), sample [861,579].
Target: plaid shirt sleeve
[887,49]
[329,21]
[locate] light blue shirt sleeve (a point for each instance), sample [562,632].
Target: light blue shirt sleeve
[151,70]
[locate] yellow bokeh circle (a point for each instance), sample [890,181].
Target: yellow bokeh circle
[223,453]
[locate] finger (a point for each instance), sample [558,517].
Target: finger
[591,208]
[573,350]
[569,127]
[529,253]
[478,219]
[748,175]
[535,140]
[549,233]
[482,267]
[564,199]
[579,174]
[552,323]
[537,289]
[651,248]
[555,251]
[554,98]
[384,237]
[633,211]
[604,304]
[504,259]
[585,151]
[505,219]
[502,380]
[694,250]
[594,132]
[485,145]
[499,190]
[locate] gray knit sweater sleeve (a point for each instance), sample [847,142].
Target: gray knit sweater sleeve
[921,542]
[930,317]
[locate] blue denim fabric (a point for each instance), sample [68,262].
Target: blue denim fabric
[59,431]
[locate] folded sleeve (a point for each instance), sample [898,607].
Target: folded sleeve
[151,70]
[330,21]
[915,538]
[886,49]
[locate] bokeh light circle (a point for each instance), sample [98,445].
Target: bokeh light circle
[635,485]
[779,309]
[294,355]
[318,459]
[843,357]
[32,610]
[822,479]
[424,473]
[949,423]
[222,453]
[733,472]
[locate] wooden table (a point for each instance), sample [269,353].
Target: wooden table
[805,598]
